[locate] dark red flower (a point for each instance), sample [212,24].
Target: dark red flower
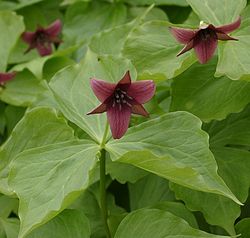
[120,100]
[43,38]
[205,39]
[4,77]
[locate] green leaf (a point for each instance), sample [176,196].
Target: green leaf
[82,22]
[10,227]
[223,214]
[217,12]
[68,224]
[182,3]
[155,223]
[7,205]
[75,98]
[199,92]
[234,60]
[152,49]
[47,179]
[243,227]
[172,146]
[22,90]
[148,191]
[11,27]
[229,142]
[40,126]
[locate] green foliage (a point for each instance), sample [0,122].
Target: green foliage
[182,172]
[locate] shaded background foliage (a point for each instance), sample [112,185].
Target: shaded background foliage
[162,176]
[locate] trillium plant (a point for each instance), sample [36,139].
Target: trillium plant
[124,119]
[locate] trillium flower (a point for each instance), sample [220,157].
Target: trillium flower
[205,39]
[120,100]
[4,77]
[43,38]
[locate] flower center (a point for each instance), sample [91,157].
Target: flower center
[206,34]
[121,98]
[41,37]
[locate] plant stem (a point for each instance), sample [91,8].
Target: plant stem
[103,191]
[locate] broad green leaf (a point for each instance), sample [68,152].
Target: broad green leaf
[152,49]
[243,227]
[148,223]
[172,146]
[217,12]
[85,19]
[40,126]
[234,60]
[68,224]
[7,205]
[223,214]
[199,92]
[47,179]
[75,98]
[227,141]
[10,227]
[230,142]
[157,2]
[178,209]
[22,90]
[11,27]
[148,191]
[89,203]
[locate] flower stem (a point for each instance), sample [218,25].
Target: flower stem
[103,201]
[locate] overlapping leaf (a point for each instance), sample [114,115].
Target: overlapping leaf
[199,92]
[152,49]
[11,27]
[174,147]
[155,223]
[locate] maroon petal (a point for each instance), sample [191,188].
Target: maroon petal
[186,48]
[182,35]
[28,37]
[205,49]
[102,89]
[229,27]
[118,120]
[54,29]
[223,36]
[126,79]
[44,49]
[140,110]
[100,109]
[4,77]
[142,91]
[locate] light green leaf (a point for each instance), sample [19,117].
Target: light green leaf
[227,141]
[152,49]
[148,191]
[182,3]
[7,205]
[10,227]
[148,223]
[234,60]
[40,126]
[75,98]
[22,90]
[11,27]
[172,146]
[199,92]
[243,227]
[217,12]
[47,179]
[85,19]
[68,224]
[217,210]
